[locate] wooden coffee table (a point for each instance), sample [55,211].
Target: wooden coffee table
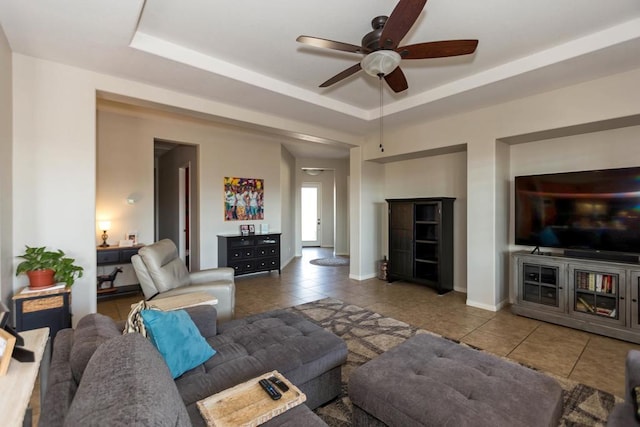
[247,404]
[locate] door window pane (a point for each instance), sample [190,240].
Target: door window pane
[309,213]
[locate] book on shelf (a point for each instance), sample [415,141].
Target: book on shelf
[598,281]
[588,307]
[606,312]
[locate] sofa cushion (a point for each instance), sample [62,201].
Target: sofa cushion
[61,387]
[277,340]
[177,339]
[91,331]
[126,382]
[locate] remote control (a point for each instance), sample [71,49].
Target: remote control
[272,392]
[282,386]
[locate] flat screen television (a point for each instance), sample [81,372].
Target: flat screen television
[595,210]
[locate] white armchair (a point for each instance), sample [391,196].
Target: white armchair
[163,274]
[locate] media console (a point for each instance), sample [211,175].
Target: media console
[589,294]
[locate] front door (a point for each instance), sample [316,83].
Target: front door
[311,201]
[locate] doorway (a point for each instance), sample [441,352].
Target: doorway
[184,217]
[176,210]
[311,213]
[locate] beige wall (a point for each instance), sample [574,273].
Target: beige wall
[54,145]
[367,188]
[487,243]
[6,201]
[223,151]
[124,166]
[54,167]
[288,204]
[438,176]
[616,148]
[54,171]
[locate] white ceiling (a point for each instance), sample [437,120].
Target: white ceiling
[244,53]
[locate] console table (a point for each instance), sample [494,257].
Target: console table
[249,254]
[112,256]
[16,386]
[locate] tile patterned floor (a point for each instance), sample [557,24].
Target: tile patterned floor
[591,359]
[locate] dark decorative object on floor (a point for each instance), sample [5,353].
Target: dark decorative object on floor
[110,278]
[368,334]
[331,262]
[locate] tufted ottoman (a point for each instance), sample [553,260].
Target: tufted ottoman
[431,381]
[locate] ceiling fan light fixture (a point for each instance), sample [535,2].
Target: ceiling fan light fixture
[380,62]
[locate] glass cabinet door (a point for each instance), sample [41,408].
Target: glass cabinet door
[598,293]
[541,284]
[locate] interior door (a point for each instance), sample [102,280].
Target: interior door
[184,217]
[311,208]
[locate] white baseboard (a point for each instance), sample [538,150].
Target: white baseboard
[494,308]
[360,278]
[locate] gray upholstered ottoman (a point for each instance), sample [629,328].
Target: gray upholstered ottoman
[431,381]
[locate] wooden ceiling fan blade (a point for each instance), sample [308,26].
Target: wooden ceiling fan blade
[342,75]
[397,81]
[438,49]
[400,21]
[330,44]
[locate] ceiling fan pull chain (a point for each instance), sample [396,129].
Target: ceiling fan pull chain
[381,112]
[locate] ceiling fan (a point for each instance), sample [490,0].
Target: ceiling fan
[381,46]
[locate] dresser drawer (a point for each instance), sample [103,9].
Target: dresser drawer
[268,263]
[267,251]
[126,254]
[242,267]
[105,257]
[241,253]
[241,242]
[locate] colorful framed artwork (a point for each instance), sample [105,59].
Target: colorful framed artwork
[243,199]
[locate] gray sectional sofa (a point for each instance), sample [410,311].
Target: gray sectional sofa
[624,414]
[98,376]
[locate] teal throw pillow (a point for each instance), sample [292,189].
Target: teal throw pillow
[177,339]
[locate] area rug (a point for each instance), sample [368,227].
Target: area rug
[331,262]
[369,334]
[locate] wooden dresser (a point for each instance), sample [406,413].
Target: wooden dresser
[249,254]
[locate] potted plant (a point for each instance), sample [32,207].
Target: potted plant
[45,268]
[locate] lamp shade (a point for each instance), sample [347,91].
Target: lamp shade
[104,225]
[380,62]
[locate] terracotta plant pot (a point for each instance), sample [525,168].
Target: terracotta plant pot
[40,279]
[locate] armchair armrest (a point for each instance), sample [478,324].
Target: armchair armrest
[224,291]
[212,275]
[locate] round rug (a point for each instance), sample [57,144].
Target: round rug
[331,262]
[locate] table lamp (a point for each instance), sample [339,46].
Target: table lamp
[104,226]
